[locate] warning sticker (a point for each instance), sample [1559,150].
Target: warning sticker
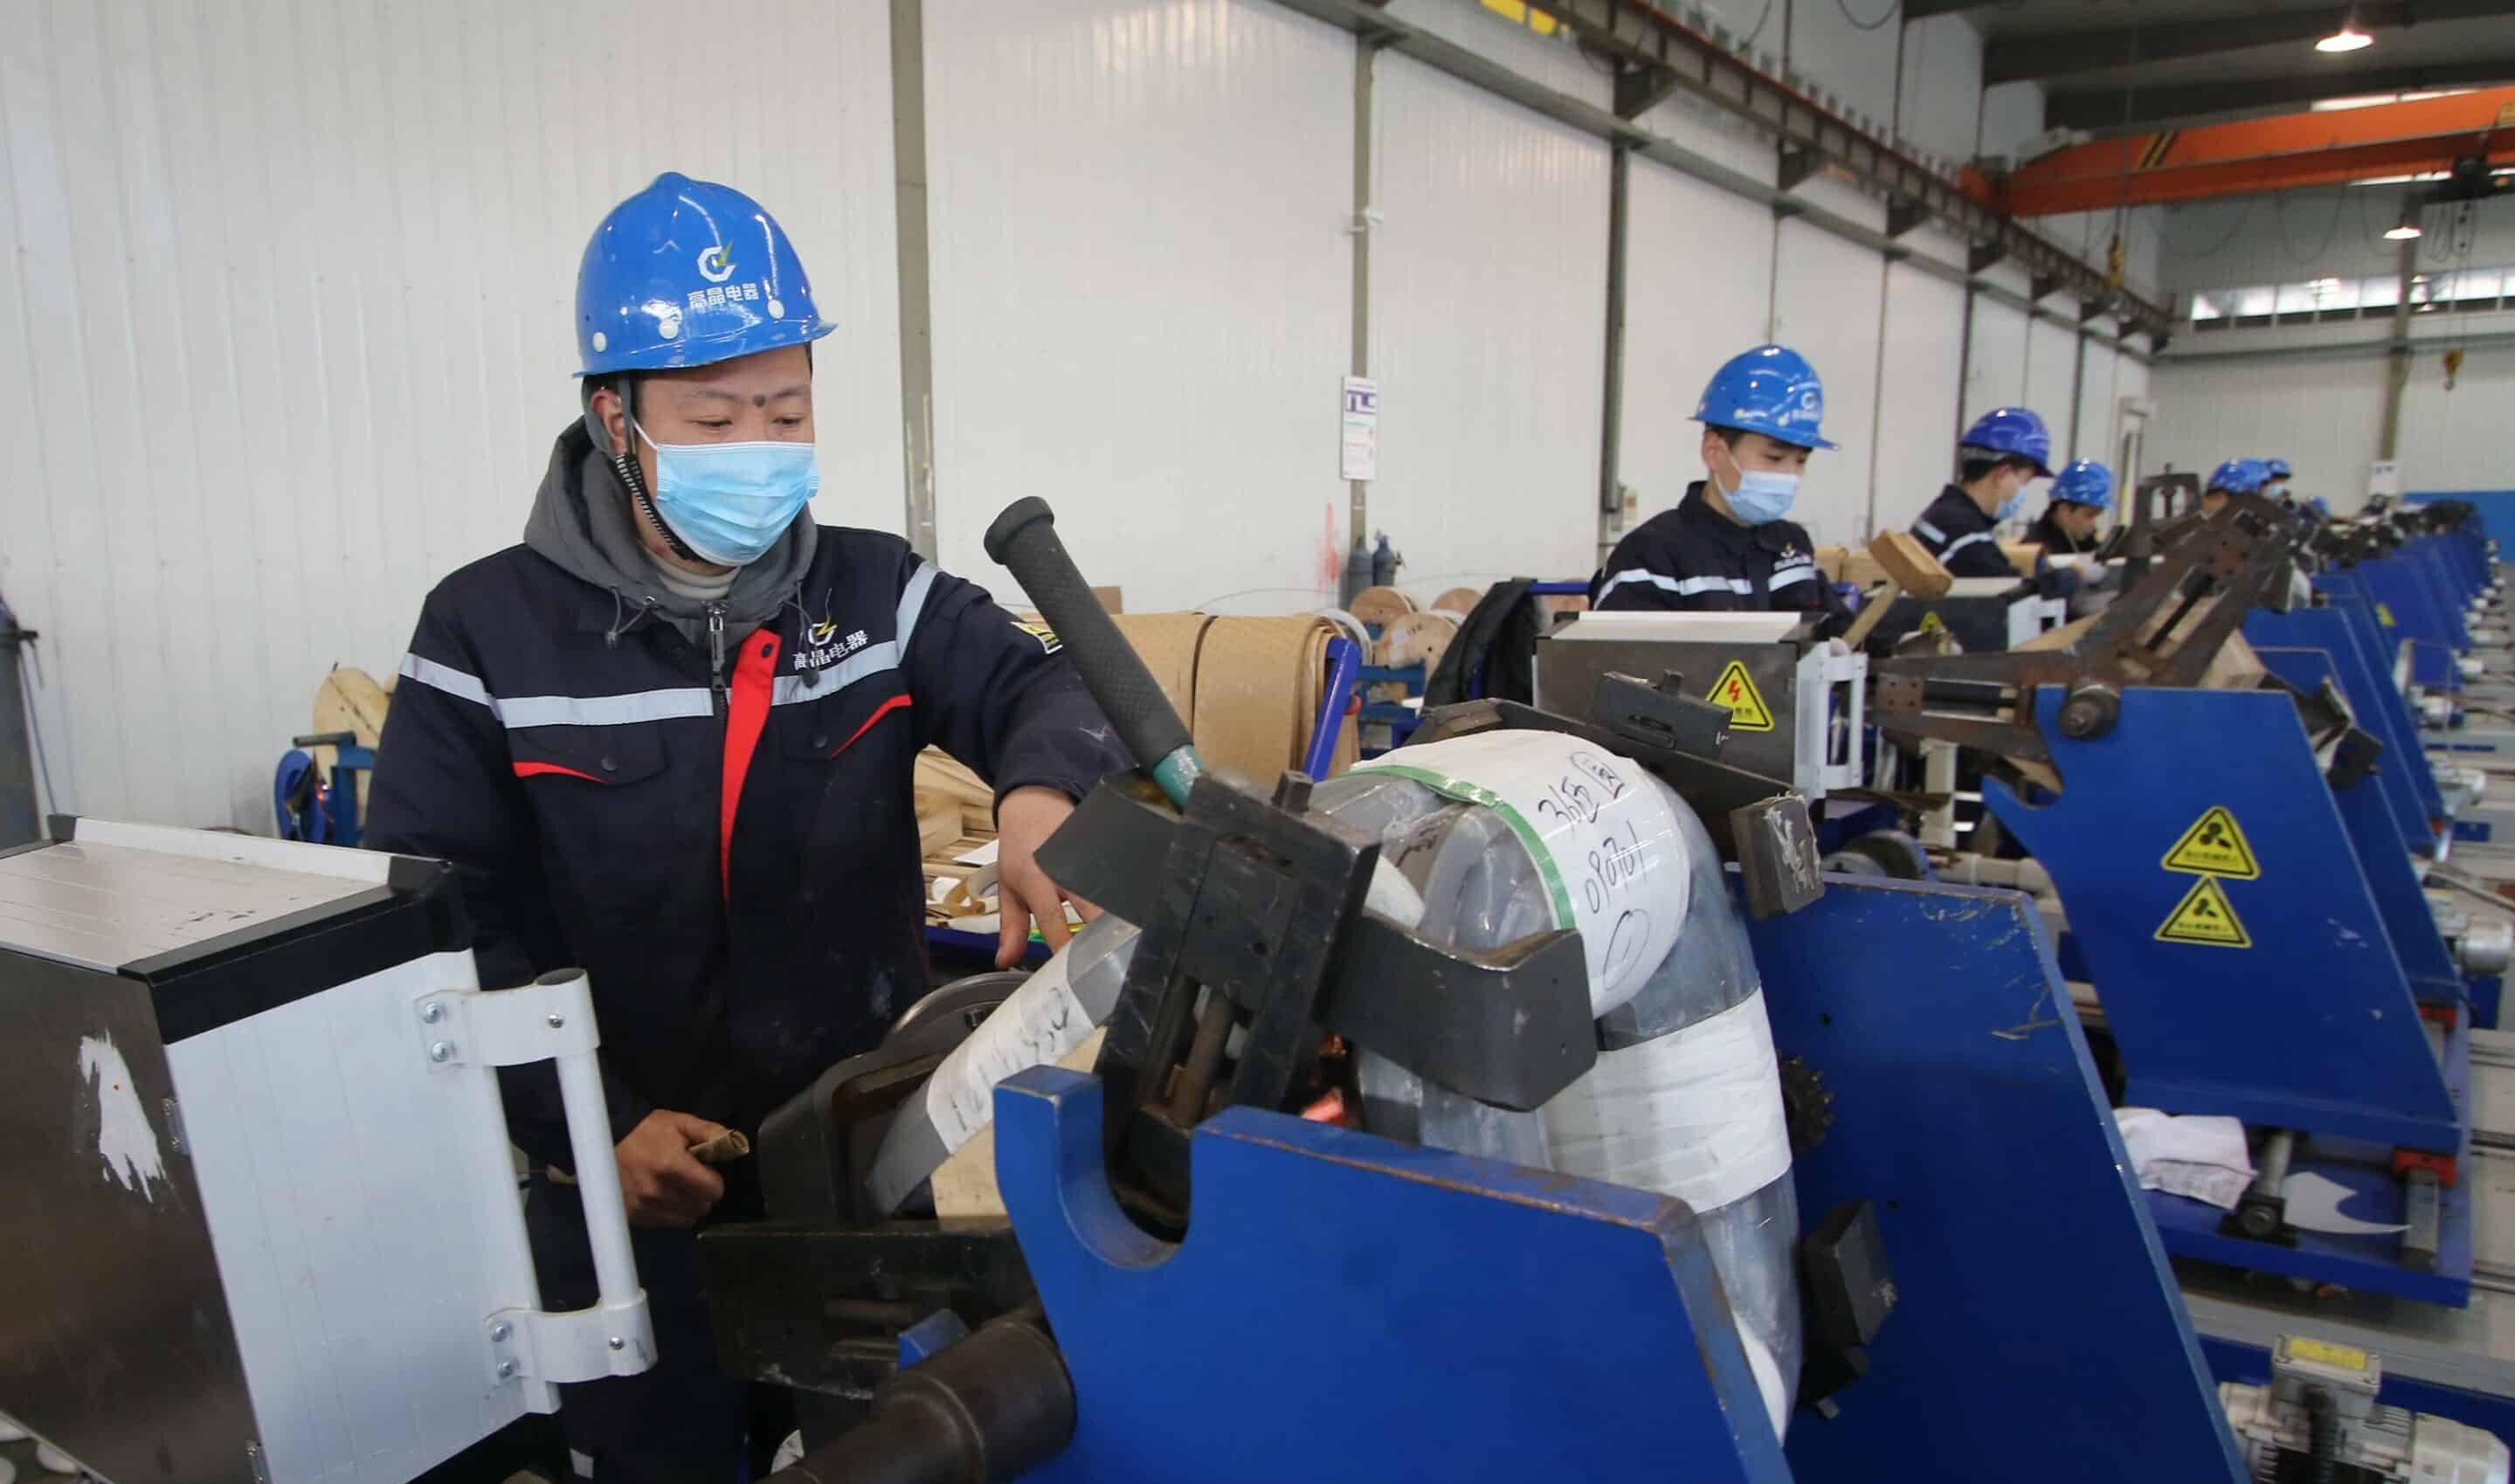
[2384,614]
[1735,690]
[2214,846]
[2325,1352]
[2204,917]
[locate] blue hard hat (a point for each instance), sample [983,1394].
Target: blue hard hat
[688,273]
[2012,433]
[2238,477]
[1769,389]
[2277,468]
[2320,506]
[2085,482]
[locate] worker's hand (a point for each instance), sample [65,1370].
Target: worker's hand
[660,1183]
[1024,820]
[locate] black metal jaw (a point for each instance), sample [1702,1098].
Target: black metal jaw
[2241,556]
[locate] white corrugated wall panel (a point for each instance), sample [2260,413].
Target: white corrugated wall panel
[2322,414]
[2092,436]
[1849,55]
[1553,58]
[290,328]
[1724,139]
[2451,441]
[1698,273]
[2052,377]
[1141,287]
[1488,332]
[1996,362]
[1917,402]
[1827,302]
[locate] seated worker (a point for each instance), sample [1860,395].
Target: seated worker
[1725,546]
[2275,477]
[2006,449]
[2236,477]
[2082,493]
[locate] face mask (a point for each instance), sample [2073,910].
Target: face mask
[730,502]
[2009,507]
[1762,495]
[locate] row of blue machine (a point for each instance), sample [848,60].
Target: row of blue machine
[2226,846]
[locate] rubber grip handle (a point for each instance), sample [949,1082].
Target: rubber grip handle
[1023,539]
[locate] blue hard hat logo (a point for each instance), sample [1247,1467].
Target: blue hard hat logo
[714,266]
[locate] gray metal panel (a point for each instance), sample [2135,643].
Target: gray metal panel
[105,906]
[1568,672]
[115,1340]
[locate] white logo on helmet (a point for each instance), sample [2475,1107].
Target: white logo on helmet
[714,266]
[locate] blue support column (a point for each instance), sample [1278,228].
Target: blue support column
[2327,627]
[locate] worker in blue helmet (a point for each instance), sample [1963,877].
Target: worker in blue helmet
[2082,492]
[1726,546]
[669,739]
[2276,477]
[2236,477]
[2006,449]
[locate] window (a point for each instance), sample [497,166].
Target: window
[2378,296]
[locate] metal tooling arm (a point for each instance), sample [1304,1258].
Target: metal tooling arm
[2157,634]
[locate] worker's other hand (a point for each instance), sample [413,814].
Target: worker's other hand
[660,1183]
[1024,820]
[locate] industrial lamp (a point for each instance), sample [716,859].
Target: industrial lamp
[2348,38]
[2408,229]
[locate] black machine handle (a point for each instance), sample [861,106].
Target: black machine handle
[1023,539]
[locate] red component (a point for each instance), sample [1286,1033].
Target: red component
[747,699]
[2442,1015]
[2407,1160]
[895,703]
[538,769]
[1329,1109]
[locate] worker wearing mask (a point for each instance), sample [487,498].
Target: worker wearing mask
[2236,477]
[1726,546]
[2006,449]
[2275,477]
[2082,493]
[669,739]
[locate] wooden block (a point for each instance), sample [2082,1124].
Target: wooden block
[938,821]
[1908,564]
[2022,554]
[1862,570]
[1831,560]
[1112,599]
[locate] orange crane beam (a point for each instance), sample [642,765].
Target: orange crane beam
[2282,153]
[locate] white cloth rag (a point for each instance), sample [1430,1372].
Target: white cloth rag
[2196,1155]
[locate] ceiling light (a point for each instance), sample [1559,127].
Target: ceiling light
[2402,180]
[2348,38]
[2403,233]
[2378,99]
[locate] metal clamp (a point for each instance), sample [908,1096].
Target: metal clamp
[1833,704]
[577,1346]
[552,1017]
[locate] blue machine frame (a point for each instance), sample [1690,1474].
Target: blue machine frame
[1484,1322]
[2314,1026]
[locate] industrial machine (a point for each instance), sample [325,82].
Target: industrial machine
[1193,1218]
[266,1228]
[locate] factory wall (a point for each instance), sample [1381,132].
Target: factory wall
[2315,395]
[289,329]
[1152,344]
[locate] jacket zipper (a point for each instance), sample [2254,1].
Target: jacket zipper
[716,656]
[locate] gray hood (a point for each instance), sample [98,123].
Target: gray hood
[581,521]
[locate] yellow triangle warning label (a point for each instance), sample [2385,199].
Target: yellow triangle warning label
[1735,690]
[2384,616]
[2214,846]
[2204,917]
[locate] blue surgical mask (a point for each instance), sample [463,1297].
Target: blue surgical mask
[730,502]
[2010,506]
[1762,495]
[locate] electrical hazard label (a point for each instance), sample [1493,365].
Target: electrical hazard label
[1735,690]
[2204,917]
[2384,614]
[2214,846]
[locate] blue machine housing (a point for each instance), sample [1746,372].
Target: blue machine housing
[1477,1320]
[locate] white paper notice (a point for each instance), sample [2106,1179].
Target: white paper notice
[2384,477]
[1360,453]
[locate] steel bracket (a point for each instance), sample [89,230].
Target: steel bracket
[577,1346]
[552,1017]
